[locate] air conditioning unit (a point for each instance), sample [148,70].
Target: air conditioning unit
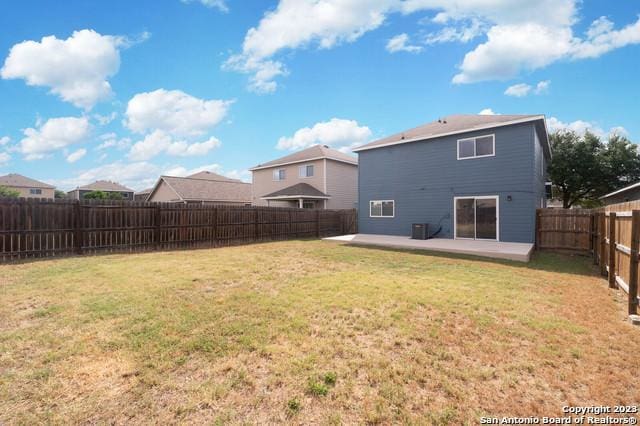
[420,231]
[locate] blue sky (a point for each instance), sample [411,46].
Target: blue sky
[129,90]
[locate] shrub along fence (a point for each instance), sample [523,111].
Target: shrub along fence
[610,234]
[44,228]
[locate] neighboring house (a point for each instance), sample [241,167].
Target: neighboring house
[27,187]
[201,188]
[101,185]
[315,178]
[628,193]
[142,195]
[468,176]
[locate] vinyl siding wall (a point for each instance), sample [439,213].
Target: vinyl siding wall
[342,185]
[264,184]
[26,192]
[424,177]
[164,194]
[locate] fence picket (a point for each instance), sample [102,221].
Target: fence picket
[45,228]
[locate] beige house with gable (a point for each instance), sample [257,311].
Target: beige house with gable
[318,177]
[27,187]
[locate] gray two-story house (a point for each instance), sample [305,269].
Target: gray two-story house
[468,176]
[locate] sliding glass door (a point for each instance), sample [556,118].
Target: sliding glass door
[476,217]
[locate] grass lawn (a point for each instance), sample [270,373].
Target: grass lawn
[308,332]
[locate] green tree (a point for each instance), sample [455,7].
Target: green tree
[8,192]
[103,195]
[620,162]
[576,167]
[583,168]
[59,194]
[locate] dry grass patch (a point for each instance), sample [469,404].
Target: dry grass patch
[307,332]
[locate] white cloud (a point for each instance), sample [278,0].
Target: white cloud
[76,155]
[400,43]
[5,157]
[221,5]
[159,141]
[511,49]
[244,175]
[523,89]
[542,87]
[487,111]
[103,120]
[464,33]
[338,133]
[111,140]
[184,149]
[518,90]
[174,112]
[522,35]
[297,24]
[138,175]
[54,134]
[76,69]
[582,126]
[4,140]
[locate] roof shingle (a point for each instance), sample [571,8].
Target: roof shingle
[316,151]
[105,185]
[452,124]
[299,189]
[17,180]
[210,190]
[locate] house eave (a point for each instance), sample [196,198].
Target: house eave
[457,132]
[296,197]
[353,163]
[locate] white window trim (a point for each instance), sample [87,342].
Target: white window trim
[382,201]
[273,174]
[476,197]
[493,140]
[304,167]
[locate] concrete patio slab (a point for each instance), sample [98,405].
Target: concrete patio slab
[520,252]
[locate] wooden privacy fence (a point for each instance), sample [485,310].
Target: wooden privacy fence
[558,229]
[610,234]
[616,242]
[44,227]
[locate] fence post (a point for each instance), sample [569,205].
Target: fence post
[215,226]
[77,226]
[538,232]
[318,223]
[603,230]
[255,223]
[592,227]
[612,250]
[633,263]
[157,219]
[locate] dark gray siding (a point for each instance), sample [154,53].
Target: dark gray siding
[424,177]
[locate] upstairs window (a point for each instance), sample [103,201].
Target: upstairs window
[35,191]
[279,174]
[381,208]
[305,171]
[481,146]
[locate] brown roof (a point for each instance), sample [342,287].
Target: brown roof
[105,185]
[311,153]
[451,124]
[190,189]
[212,176]
[297,190]
[14,179]
[144,191]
